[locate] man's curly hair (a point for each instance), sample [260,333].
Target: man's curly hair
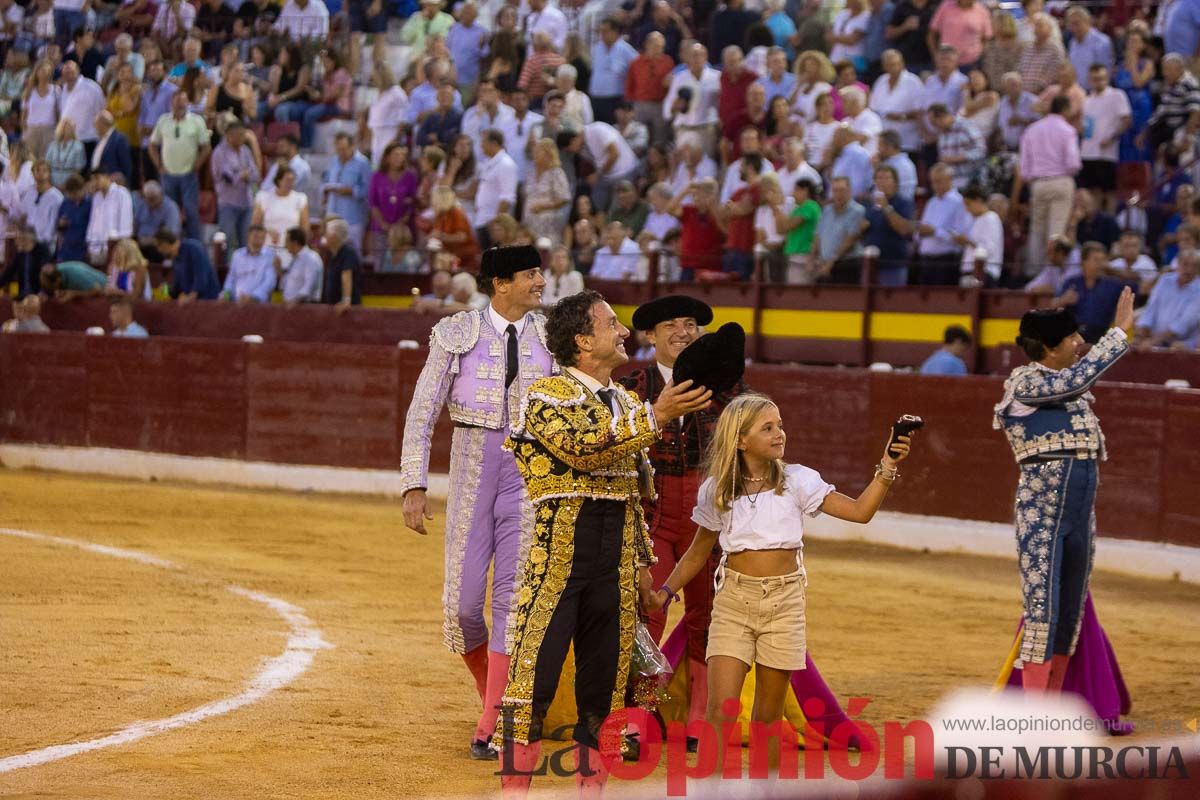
[570,317]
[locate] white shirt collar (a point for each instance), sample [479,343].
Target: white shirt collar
[500,324]
[665,371]
[591,383]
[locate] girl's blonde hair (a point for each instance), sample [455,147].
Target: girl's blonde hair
[724,462]
[127,255]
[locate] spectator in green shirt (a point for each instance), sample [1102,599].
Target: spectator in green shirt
[801,226]
[179,146]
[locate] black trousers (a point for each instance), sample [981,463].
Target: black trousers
[588,615]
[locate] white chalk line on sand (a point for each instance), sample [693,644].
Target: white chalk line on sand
[304,640]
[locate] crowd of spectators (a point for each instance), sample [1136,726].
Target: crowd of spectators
[1030,145]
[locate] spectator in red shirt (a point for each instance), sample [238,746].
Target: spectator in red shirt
[701,228]
[738,258]
[646,86]
[755,116]
[736,78]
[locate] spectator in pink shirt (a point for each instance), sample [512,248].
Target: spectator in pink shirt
[1049,160]
[965,25]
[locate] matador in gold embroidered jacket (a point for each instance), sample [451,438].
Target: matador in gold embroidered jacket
[585,465]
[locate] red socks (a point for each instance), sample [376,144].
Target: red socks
[524,760]
[1035,678]
[590,786]
[497,679]
[477,661]
[1058,672]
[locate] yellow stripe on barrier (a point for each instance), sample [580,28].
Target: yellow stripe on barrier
[387,300]
[782,323]
[790,324]
[742,316]
[895,326]
[995,332]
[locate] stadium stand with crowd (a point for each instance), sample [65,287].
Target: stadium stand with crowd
[1055,147]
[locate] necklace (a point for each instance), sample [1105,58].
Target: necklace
[752,499]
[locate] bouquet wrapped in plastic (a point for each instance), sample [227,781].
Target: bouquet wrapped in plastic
[649,671]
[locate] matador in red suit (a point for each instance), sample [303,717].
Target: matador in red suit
[672,323]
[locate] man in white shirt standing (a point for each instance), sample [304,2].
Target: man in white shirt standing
[497,190]
[39,206]
[518,129]
[1106,116]
[891,154]
[606,148]
[80,101]
[943,218]
[617,259]
[112,215]
[986,233]
[691,101]
[302,279]
[488,112]
[898,98]
[546,18]
[383,118]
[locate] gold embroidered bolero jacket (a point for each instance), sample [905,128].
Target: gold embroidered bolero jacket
[568,444]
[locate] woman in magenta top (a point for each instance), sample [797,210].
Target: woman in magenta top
[392,194]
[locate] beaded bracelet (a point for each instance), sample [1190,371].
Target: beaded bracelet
[885,474]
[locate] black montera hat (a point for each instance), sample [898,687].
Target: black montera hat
[671,306]
[715,361]
[504,262]
[1048,326]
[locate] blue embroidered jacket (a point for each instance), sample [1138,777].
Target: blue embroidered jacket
[1062,421]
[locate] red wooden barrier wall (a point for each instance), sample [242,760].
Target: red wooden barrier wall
[374,326]
[344,405]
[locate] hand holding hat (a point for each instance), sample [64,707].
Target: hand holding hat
[677,399]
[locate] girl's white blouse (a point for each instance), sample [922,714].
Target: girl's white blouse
[773,521]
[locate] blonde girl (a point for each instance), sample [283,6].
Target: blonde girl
[128,271]
[754,504]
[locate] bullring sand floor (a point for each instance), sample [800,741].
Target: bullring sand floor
[90,644]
